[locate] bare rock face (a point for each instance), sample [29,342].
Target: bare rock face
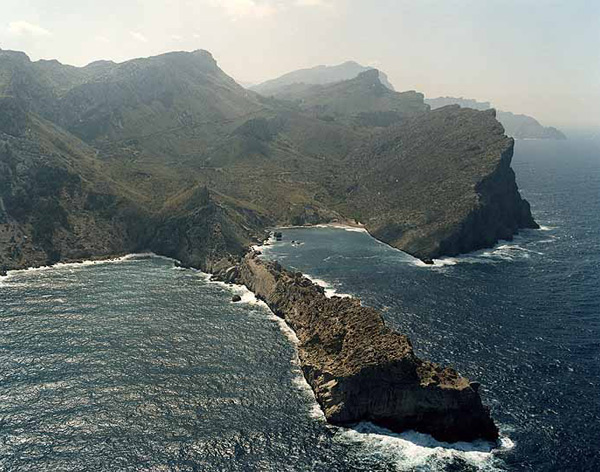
[360,369]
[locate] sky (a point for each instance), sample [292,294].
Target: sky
[538,57]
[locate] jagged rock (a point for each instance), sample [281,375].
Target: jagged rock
[360,369]
[236,298]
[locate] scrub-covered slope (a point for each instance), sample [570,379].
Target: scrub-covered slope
[168,153]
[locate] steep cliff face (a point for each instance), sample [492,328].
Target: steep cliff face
[439,184]
[359,368]
[500,212]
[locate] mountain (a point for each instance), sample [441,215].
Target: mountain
[170,154]
[517,126]
[362,100]
[319,75]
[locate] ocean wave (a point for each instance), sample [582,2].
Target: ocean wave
[265,246]
[298,381]
[247,296]
[502,252]
[329,289]
[445,261]
[411,450]
[86,263]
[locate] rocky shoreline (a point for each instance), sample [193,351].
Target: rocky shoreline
[359,368]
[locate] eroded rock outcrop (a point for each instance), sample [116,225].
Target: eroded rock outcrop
[359,368]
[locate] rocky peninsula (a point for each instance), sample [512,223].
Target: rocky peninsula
[359,368]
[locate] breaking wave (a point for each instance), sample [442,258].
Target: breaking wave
[416,451]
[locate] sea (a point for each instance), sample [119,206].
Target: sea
[134,364]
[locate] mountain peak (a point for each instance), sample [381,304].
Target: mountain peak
[15,55]
[318,75]
[371,75]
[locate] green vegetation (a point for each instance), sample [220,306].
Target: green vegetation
[169,154]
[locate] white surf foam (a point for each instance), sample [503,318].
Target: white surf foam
[85,263]
[502,252]
[266,245]
[329,289]
[298,381]
[445,261]
[248,297]
[412,450]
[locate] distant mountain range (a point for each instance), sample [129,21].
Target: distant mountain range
[319,75]
[517,126]
[293,86]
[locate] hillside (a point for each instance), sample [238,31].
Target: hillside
[517,126]
[440,184]
[170,154]
[319,75]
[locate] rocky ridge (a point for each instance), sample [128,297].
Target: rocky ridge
[360,369]
[316,75]
[438,184]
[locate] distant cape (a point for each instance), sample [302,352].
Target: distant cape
[517,126]
[319,75]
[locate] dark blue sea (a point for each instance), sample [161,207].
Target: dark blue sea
[134,364]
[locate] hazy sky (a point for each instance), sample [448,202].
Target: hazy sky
[539,57]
